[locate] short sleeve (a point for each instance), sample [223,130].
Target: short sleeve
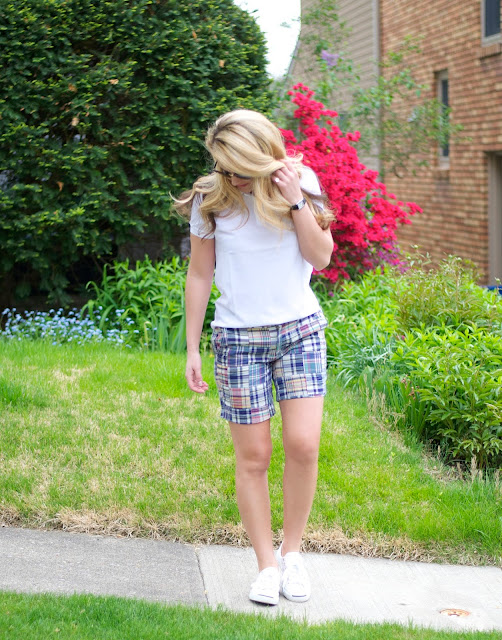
[198,226]
[309,182]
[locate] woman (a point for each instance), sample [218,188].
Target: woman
[258,224]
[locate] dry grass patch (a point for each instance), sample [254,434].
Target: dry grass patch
[127,523]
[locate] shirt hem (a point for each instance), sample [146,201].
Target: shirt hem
[260,323]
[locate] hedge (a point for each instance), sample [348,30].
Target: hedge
[104,104]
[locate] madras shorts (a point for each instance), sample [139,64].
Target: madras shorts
[246,362]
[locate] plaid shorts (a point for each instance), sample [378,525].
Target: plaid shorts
[246,361]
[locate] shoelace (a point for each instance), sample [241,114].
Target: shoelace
[266,580]
[294,574]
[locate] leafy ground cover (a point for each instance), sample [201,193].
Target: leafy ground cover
[430,342]
[85,617]
[102,439]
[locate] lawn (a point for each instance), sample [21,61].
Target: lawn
[85,617]
[101,439]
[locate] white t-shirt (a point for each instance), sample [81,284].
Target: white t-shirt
[260,272]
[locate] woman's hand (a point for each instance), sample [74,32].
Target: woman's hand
[288,182]
[193,373]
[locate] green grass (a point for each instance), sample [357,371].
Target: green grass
[94,438]
[84,617]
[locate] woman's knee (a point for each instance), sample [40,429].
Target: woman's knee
[254,460]
[252,446]
[302,449]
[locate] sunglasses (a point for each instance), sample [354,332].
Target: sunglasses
[231,174]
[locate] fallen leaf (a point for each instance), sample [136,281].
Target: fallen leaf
[72,87]
[74,121]
[222,63]
[60,185]
[194,35]
[114,81]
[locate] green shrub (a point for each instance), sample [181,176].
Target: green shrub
[406,408]
[430,341]
[445,295]
[104,106]
[457,376]
[148,302]
[365,350]
[363,307]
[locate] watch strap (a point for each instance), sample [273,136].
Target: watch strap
[299,205]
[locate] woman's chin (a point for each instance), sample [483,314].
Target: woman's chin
[244,188]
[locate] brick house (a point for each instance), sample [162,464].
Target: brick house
[461,61]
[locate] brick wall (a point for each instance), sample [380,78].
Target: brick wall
[455,200]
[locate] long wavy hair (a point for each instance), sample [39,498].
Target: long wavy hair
[247,143]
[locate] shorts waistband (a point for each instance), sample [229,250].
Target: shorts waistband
[314,322]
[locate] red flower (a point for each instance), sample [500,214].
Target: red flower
[366,217]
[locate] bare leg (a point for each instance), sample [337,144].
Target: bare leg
[301,429]
[253,449]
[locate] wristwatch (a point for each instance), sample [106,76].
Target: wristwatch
[299,205]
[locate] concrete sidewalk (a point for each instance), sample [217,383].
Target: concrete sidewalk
[352,588]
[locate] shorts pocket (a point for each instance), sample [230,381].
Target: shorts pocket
[317,323]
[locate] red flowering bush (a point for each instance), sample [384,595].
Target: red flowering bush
[366,218]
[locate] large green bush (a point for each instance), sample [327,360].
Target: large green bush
[457,375]
[430,341]
[104,105]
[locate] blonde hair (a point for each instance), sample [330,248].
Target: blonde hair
[247,143]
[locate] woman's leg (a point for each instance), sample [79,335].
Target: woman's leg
[301,430]
[253,450]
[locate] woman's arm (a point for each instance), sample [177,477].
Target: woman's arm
[316,244]
[197,291]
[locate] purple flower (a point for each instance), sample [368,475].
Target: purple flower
[330,59]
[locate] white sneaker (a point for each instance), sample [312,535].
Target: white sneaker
[265,588]
[295,583]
